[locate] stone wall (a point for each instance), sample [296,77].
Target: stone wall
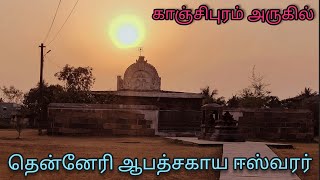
[163,103]
[102,119]
[179,121]
[276,124]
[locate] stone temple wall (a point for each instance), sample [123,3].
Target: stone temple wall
[276,124]
[102,119]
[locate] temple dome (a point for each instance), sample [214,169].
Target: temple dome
[140,76]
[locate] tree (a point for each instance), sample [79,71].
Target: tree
[301,100]
[78,82]
[210,96]
[19,120]
[307,92]
[234,101]
[12,94]
[76,79]
[258,86]
[306,99]
[51,93]
[273,102]
[19,123]
[257,94]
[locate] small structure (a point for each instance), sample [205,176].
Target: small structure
[210,113]
[217,126]
[6,111]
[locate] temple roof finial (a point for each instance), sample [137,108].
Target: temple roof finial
[140,50]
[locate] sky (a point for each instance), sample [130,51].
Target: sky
[187,58]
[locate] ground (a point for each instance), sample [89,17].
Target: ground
[299,149]
[32,145]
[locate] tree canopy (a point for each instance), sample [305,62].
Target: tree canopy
[256,95]
[76,79]
[11,94]
[211,96]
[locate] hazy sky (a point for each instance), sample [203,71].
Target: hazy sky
[186,57]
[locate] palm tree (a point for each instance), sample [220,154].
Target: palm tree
[209,96]
[307,92]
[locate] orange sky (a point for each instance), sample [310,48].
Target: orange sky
[186,57]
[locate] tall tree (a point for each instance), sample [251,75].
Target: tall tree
[257,94]
[12,94]
[258,86]
[76,79]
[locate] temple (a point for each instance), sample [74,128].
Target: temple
[138,92]
[139,107]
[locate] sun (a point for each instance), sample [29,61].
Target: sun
[127,31]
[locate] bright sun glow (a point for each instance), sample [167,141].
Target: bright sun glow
[127,31]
